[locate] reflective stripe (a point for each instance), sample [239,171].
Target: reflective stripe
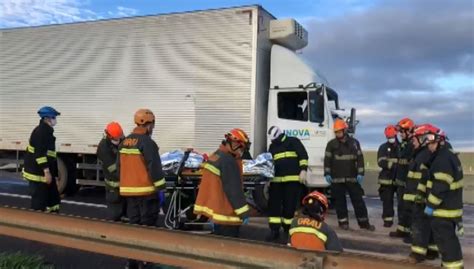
[409,197]
[382,159]
[309,230]
[392,160]
[112,168]
[443,177]
[275,220]
[447,213]
[41,160]
[433,247]
[434,200]
[212,169]
[421,187]
[286,179]
[423,167]
[159,183]
[303,162]
[429,184]
[241,210]
[32,177]
[113,184]
[283,139]
[419,250]
[403,161]
[456,185]
[456,264]
[51,153]
[345,157]
[287,221]
[328,154]
[215,216]
[137,189]
[360,169]
[403,229]
[414,175]
[30,149]
[342,220]
[388,219]
[399,182]
[286,154]
[54,208]
[385,182]
[130,151]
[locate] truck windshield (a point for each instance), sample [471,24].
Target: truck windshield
[316,106]
[293,105]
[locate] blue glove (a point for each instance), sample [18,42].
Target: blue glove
[161,198]
[360,178]
[429,211]
[328,179]
[245,220]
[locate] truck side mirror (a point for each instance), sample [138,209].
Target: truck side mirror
[352,121]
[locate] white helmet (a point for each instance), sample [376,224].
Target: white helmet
[274,132]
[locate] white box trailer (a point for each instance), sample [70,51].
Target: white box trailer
[202,73]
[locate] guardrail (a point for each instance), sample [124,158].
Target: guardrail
[175,248]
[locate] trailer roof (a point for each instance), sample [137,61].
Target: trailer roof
[143,16]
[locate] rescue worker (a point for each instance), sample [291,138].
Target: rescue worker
[107,152]
[444,203]
[308,230]
[423,246]
[40,167]
[291,163]
[405,128]
[344,170]
[387,158]
[221,196]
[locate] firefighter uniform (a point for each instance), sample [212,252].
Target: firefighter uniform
[344,161]
[444,190]
[387,159]
[309,234]
[221,196]
[40,155]
[141,175]
[290,158]
[107,154]
[404,214]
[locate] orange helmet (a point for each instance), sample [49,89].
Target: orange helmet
[406,124]
[429,133]
[390,131]
[239,136]
[339,125]
[144,116]
[317,203]
[114,130]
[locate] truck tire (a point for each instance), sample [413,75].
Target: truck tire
[67,176]
[260,197]
[62,176]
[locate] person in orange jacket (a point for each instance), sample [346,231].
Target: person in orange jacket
[308,230]
[221,196]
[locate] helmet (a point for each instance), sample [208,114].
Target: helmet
[339,125]
[144,116]
[316,204]
[406,124]
[274,132]
[390,131]
[432,133]
[114,130]
[239,136]
[48,112]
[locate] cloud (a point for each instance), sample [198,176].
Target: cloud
[401,58]
[20,13]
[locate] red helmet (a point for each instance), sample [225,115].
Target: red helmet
[390,131]
[316,197]
[433,134]
[406,124]
[114,130]
[238,136]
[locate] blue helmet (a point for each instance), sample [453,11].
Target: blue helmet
[48,111]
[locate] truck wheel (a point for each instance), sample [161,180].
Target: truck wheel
[62,176]
[67,176]
[260,197]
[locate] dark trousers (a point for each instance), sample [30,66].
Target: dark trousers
[44,196]
[226,230]
[444,233]
[116,205]
[143,210]
[386,193]
[282,203]
[404,211]
[356,192]
[422,234]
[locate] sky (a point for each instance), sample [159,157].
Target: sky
[389,59]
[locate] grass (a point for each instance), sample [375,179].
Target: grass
[21,261]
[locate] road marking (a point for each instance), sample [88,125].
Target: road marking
[62,201]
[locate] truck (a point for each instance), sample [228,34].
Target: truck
[201,72]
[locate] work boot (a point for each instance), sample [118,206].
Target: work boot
[416,258]
[432,255]
[387,224]
[399,234]
[273,236]
[344,226]
[367,226]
